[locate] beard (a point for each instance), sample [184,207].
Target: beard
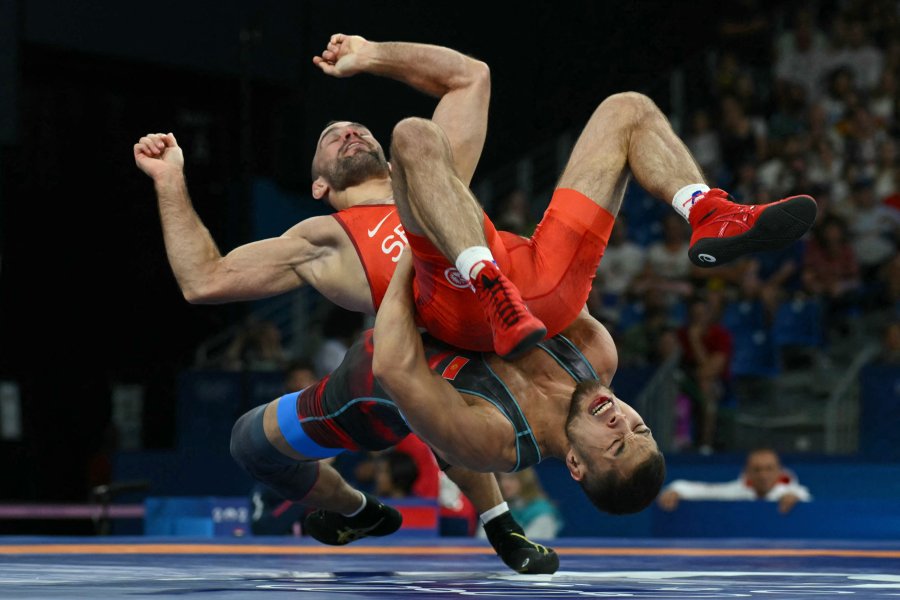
[353,170]
[575,409]
[584,392]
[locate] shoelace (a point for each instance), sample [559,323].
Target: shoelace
[738,214]
[740,217]
[505,307]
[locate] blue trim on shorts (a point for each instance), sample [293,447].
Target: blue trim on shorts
[293,432]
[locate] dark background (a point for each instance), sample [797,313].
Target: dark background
[86,294]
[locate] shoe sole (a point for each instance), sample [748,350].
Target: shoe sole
[527,343]
[776,228]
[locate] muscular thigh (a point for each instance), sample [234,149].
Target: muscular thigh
[555,269]
[445,302]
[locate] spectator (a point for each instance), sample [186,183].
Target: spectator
[825,159]
[883,101]
[830,268]
[801,53]
[410,469]
[789,116]
[860,55]
[649,340]
[763,478]
[742,139]
[622,261]
[874,229]
[413,474]
[530,505]
[745,27]
[885,171]
[841,94]
[339,329]
[889,280]
[890,344]
[514,214]
[892,200]
[299,375]
[862,140]
[773,276]
[256,347]
[703,142]
[706,351]
[395,475]
[786,171]
[668,267]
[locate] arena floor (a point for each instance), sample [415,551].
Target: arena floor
[213,568]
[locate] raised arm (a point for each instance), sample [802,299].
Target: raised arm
[258,270]
[466,436]
[462,83]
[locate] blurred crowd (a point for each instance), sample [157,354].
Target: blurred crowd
[798,98]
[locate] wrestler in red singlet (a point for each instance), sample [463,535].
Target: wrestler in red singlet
[553,270]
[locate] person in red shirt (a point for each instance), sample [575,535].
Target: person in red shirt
[831,269]
[706,351]
[411,469]
[426,483]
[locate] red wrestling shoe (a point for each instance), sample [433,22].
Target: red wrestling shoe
[515,329]
[725,230]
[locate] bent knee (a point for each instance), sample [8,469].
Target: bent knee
[244,441]
[630,107]
[415,137]
[250,447]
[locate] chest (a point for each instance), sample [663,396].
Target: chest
[377,239]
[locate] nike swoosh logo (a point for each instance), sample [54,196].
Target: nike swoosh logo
[375,229]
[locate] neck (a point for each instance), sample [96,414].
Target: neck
[556,444]
[374,191]
[550,428]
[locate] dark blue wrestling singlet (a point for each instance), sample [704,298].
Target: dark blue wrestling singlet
[349,410]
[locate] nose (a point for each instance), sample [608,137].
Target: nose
[350,132]
[616,418]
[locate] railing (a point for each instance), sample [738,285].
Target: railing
[294,313]
[656,402]
[842,408]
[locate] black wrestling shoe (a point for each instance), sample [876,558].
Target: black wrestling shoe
[376,519]
[518,552]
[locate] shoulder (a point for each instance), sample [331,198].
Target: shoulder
[321,230]
[595,341]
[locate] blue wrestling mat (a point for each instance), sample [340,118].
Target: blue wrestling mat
[275,568]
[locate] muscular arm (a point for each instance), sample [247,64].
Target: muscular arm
[253,271]
[462,83]
[464,435]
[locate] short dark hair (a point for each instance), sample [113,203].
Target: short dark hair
[404,471]
[313,171]
[301,363]
[616,494]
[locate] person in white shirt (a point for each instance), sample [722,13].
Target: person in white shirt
[763,478]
